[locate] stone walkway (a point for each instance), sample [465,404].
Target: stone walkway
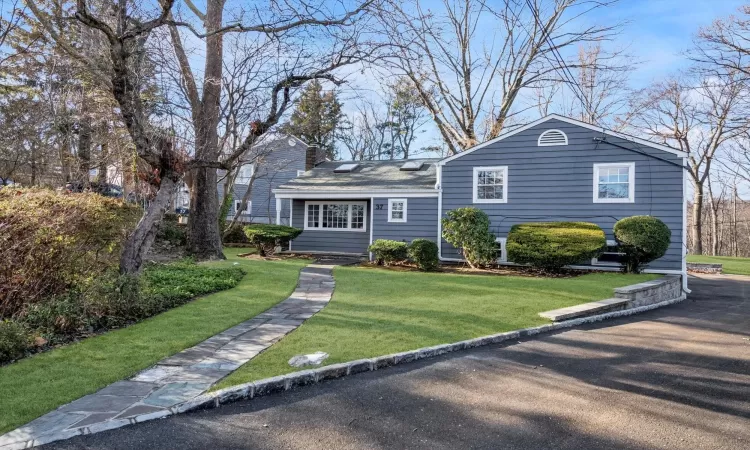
[160,390]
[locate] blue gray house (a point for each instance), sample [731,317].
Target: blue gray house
[553,169]
[275,160]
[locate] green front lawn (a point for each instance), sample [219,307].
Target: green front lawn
[731,265]
[39,384]
[376,312]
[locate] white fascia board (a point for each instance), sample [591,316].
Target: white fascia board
[589,126]
[324,195]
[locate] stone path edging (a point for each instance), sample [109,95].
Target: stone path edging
[157,391]
[307,377]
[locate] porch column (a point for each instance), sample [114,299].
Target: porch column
[278,211]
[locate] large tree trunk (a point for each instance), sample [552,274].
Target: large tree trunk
[84,151]
[204,240]
[101,173]
[697,219]
[734,243]
[714,232]
[139,242]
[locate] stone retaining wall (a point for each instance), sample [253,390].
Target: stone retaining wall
[650,292]
[704,267]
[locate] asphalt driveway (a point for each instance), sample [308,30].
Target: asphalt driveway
[674,378]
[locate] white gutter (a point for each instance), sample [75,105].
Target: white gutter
[346,194]
[684,248]
[438,186]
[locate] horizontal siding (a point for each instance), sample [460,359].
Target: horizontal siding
[277,168]
[329,241]
[421,220]
[556,184]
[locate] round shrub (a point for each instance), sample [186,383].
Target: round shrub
[387,252]
[267,236]
[424,253]
[642,239]
[468,229]
[13,341]
[552,245]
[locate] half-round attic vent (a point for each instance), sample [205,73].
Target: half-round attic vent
[552,137]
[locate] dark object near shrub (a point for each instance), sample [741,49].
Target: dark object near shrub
[170,230]
[52,241]
[468,229]
[13,341]
[387,252]
[424,253]
[235,235]
[552,245]
[267,236]
[642,239]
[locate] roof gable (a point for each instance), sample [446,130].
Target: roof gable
[568,120]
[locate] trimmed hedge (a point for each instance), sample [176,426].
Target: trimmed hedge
[468,229]
[642,239]
[552,245]
[265,237]
[51,242]
[387,251]
[424,253]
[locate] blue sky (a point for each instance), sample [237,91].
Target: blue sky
[656,33]
[659,30]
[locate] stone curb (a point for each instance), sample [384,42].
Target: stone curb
[293,380]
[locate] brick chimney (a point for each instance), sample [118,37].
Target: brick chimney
[313,157]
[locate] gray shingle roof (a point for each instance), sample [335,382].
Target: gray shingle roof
[369,175]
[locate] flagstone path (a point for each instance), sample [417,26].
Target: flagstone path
[160,390]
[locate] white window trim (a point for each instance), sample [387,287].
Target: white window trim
[631,183]
[391,201]
[300,172]
[503,250]
[349,218]
[248,209]
[539,142]
[475,185]
[245,180]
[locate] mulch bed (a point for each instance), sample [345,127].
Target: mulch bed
[461,268]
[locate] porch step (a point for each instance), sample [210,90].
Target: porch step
[586,309]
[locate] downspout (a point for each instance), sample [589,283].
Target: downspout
[438,186]
[372,220]
[684,228]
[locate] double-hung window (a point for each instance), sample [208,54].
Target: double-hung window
[396,210]
[614,183]
[246,210]
[245,174]
[336,216]
[491,184]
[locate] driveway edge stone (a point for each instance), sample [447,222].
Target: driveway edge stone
[302,378]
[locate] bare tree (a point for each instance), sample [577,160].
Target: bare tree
[468,76]
[603,91]
[125,31]
[725,45]
[716,200]
[698,115]
[277,20]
